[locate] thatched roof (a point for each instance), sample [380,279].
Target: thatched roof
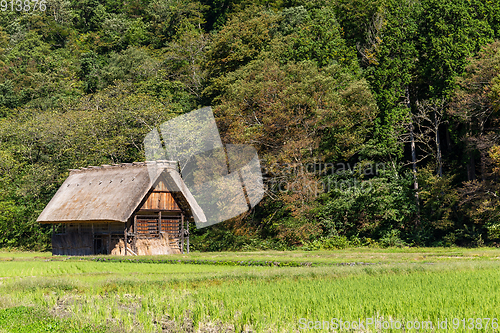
[113,193]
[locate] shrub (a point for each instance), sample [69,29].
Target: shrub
[391,238]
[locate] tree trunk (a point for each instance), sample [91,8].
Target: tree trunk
[438,147]
[413,157]
[414,162]
[471,170]
[483,165]
[412,145]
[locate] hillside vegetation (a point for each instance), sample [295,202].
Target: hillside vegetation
[376,122]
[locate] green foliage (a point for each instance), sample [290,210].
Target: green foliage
[392,238]
[89,15]
[354,206]
[450,33]
[304,82]
[36,74]
[439,199]
[130,65]
[318,37]
[170,17]
[241,40]
[227,238]
[389,52]
[118,32]
[296,108]
[355,17]
[329,243]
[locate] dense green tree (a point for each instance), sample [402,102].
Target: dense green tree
[289,111]
[475,109]
[356,18]
[244,37]
[450,33]
[89,15]
[390,55]
[315,35]
[356,206]
[169,17]
[296,114]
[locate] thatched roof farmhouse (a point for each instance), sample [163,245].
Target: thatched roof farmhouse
[123,209]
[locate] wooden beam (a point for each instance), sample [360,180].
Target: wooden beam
[159,223]
[182,232]
[157,210]
[169,217]
[125,234]
[135,234]
[134,231]
[187,229]
[109,238]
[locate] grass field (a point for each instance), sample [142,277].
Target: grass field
[253,292]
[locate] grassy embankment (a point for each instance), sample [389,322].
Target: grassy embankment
[40,293]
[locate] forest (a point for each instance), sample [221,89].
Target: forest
[377,122]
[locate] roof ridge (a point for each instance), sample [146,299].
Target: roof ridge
[129,164]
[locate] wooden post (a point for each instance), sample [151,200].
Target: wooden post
[52,237]
[182,232]
[109,238]
[159,223]
[135,225]
[78,247]
[134,234]
[187,228]
[125,234]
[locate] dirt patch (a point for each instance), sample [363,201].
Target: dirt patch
[217,327]
[62,307]
[7,302]
[187,326]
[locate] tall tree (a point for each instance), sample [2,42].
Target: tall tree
[450,33]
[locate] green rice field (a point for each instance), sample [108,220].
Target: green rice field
[353,290]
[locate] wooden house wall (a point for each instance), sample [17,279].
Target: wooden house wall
[149,226]
[96,228]
[148,223]
[86,238]
[160,199]
[73,244]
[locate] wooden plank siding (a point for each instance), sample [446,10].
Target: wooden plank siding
[148,225]
[160,199]
[160,213]
[86,238]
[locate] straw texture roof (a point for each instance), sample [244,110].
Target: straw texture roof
[112,193]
